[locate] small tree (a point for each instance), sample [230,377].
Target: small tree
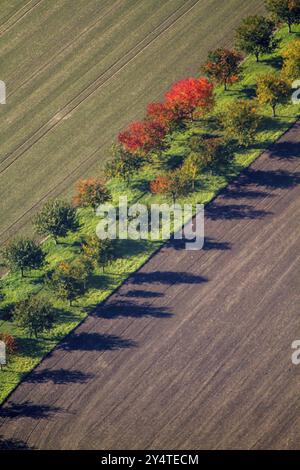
[23,254]
[10,345]
[100,252]
[223,66]
[34,314]
[240,121]
[56,219]
[163,114]
[192,166]
[291,63]
[66,281]
[190,98]
[91,193]
[174,184]
[287,11]
[123,165]
[272,90]
[143,137]
[256,36]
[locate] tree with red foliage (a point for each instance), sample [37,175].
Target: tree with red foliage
[161,113]
[91,192]
[190,97]
[142,137]
[223,66]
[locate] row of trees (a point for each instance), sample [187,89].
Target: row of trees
[185,101]
[68,281]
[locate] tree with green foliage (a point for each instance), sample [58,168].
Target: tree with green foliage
[240,121]
[56,219]
[23,254]
[34,314]
[291,60]
[256,36]
[124,164]
[273,90]
[223,66]
[287,11]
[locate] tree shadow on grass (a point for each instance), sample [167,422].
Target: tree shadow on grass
[141,184]
[128,248]
[95,342]
[130,309]
[13,444]
[58,376]
[27,409]
[275,62]
[31,347]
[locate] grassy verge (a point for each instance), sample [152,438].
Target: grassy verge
[132,254]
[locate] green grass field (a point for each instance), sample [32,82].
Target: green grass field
[130,255]
[78,71]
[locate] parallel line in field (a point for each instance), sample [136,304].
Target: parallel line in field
[98,83]
[20,17]
[61,51]
[89,160]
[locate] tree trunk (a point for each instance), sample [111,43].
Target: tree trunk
[257,56]
[225,85]
[290,26]
[274,110]
[22,272]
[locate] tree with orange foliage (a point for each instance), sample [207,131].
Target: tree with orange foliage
[223,66]
[174,184]
[142,137]
[190,98]
[91,192]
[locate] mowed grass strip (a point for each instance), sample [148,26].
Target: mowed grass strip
[130,255]
[51,133]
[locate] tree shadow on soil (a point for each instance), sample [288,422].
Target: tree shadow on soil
[95,342]
[58,376]
[130,309]
[27,410]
